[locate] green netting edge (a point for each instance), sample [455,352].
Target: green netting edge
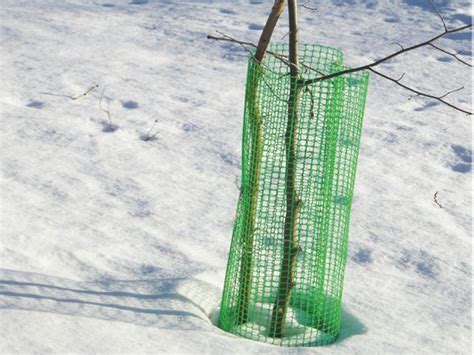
[328,128]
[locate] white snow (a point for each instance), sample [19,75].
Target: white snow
[110,243]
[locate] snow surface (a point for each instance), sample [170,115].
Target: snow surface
[113,243]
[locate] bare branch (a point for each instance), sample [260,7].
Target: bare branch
[439,15]
[454,55]
[419,93]
[387,58]
[227,38]
[323,76]
[370,66]
[246,45]
[450,92]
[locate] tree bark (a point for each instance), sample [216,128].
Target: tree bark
[293,204]
[255,123]
[265,37]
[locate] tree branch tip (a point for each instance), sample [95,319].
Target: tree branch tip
[439,15]
[398,44]
[401,77]
[308,7]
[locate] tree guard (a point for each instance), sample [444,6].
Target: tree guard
[288,252]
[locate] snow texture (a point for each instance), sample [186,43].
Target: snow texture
[115,243]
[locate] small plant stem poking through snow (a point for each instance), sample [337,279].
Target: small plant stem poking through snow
[107,110]
[150,136]
[93,87]
[435,198]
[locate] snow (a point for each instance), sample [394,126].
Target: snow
[256,327]
[112,243]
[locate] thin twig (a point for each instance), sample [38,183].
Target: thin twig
[435,198]
[269,87]
[311,105]
[227,38]
[245,45]
[93,87]
[107,111]
[401,77]
[450,92]
[234,55]
[419,93]
[398,44]
[148,137]
[439,15]
[387,58]
[308,7]
[454,55]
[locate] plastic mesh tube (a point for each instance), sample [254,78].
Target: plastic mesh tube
[288,291]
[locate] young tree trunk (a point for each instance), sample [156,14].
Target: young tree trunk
[293,204]
[255,159]
[265,37]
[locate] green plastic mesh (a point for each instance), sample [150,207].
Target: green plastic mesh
[288,252]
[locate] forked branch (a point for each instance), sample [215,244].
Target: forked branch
[439,98]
